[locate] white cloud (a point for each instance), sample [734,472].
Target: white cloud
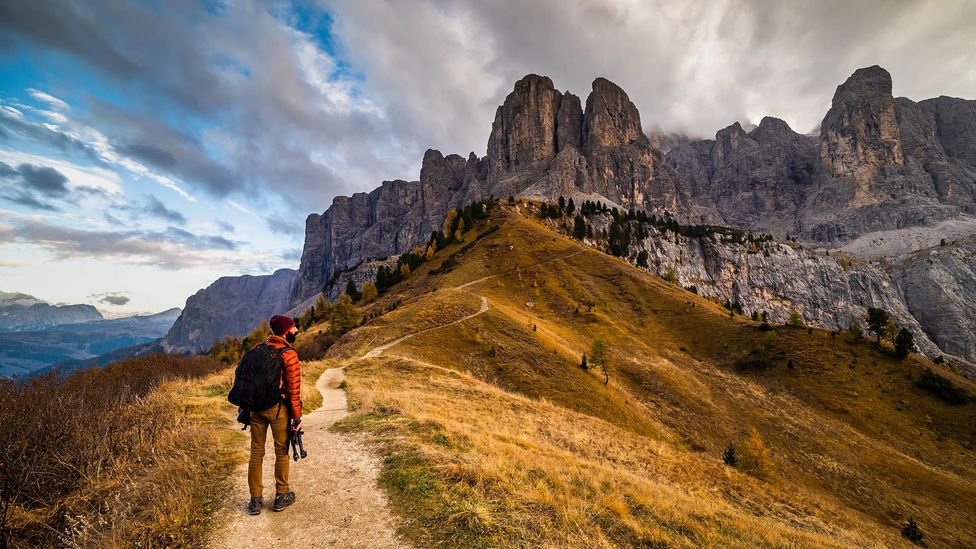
[12,112]
[48,98]
[239,208]
[78,176]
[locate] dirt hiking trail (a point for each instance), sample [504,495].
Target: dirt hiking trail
[339,503]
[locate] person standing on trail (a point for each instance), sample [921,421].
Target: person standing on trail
[284,418]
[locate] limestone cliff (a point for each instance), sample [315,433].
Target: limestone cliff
[879,163]
[232,305]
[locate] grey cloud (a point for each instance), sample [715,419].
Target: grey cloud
[292,254]
[688,66]
[156,208]
[33,186]
[278,224]
[11,126]
[199,241]
[152,206]
[115,299]
[225,226]
[172,248]
[148,152]
[44,179]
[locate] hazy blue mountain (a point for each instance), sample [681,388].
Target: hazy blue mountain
[28,352]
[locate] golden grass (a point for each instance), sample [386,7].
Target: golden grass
[493,436]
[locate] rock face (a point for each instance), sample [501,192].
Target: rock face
[931,293]
[21,312]
[879,163]
[542,144]
[233,305]
[939,288]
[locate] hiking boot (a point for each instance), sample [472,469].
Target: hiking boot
[283,500]
[254,506]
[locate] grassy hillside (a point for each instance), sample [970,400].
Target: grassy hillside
[493,435]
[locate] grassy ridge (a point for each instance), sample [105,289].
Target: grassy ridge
[493,435]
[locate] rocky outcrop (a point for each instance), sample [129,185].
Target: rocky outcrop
[929,293]
[859,135]
[754,179]
[939,288]
[387,221]
[879,163]
[542,145]
[231,306]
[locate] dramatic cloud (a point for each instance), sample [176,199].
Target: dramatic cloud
[172,248]
[285,100]
[33,186]
[689,66]
[275,112]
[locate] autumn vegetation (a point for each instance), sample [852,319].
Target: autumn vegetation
[112,456]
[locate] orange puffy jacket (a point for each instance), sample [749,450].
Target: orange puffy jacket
[291,378]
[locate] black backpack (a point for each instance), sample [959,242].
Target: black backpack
[257,379]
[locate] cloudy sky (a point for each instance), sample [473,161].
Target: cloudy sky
[148,147]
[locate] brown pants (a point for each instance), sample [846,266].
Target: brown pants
[277,418]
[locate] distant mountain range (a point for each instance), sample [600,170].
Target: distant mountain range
[26,352]
[23,312]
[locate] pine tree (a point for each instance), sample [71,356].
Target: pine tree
[351,290]
[583,363]
[579,227]
[562,203]
[450,222]
[796,320]
[877,319]
[570,207]
[904,343]
[642,259]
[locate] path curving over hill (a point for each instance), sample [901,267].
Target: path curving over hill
[339,502]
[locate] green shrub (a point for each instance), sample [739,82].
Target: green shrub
[942,387]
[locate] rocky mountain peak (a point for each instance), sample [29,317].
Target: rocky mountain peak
[860,133]
[611,119]
[445,169]
[523,135]
[868,81]
[772,129]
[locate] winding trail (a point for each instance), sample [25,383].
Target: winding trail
[377,351]
[339,502]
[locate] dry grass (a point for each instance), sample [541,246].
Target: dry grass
[493,435]
[121,456]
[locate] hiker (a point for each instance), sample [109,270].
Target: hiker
[284,418]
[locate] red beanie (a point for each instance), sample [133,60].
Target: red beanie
[281,324]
